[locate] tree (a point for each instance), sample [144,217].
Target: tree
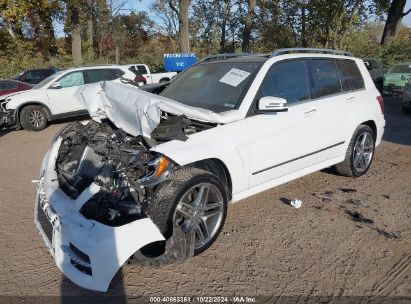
[182,13]
[73,16]
[395,15]
[90,27]
[248,23]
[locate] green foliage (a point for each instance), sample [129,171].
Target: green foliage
[27,34]
[364,42]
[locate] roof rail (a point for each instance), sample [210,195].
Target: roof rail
[309,50]
[223,56]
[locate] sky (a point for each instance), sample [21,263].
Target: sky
[144,5]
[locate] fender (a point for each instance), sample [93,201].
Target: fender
[212,143]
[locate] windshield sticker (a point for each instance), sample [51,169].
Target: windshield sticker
[234,77]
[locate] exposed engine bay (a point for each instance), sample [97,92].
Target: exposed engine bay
[121,164]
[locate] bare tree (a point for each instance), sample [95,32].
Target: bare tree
[395,15]
[248,25]
[182,14]
[90,26]
[350,20]
[74,15]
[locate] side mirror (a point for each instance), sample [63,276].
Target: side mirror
[272,104]
[56,85]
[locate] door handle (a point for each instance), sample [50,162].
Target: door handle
[350,99]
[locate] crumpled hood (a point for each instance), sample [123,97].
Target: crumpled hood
[138,112]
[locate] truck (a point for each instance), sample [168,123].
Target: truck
[144,70]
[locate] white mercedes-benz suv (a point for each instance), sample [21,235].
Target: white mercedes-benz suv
[149,178]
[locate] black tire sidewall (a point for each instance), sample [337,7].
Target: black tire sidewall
[24,118]
[358,133]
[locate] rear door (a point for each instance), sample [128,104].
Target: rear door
[331,90]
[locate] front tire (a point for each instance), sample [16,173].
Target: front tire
[33,118]
[360,153]
[192,200]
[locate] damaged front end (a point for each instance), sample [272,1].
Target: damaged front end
[123,166]
[95,185]
[7,117]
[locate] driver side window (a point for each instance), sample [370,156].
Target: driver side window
[288,80]
[71,80]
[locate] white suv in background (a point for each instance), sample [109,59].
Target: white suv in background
[150,177]
[56,97]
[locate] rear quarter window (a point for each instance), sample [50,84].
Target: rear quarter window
[357,82]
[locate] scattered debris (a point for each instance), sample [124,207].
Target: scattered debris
[326,196]
[388,234]
[358,217]
[296,203]
[386,196]
[354,201]
[348,190]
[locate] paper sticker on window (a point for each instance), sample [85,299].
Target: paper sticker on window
[234,77]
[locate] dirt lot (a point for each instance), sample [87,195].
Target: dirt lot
[341,242]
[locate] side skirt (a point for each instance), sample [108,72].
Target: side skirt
[286,178]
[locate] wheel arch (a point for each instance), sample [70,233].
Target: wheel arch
[164,79]
[218,168]
[372,125]
[32,103]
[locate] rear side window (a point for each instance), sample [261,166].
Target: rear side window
[97,75]
[287,80]
[324,76]
[357,82]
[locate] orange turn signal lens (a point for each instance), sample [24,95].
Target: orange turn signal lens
[161,166]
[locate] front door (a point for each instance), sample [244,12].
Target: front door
[66,98]
[284,142]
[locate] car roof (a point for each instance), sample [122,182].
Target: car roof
[95,67]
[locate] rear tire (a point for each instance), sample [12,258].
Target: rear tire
[360,153]
[33,118]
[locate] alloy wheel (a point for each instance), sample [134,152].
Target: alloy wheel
[363,151]
[36,118]
[200,209]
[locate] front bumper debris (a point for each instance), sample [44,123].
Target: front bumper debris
[7,119]
[86,251]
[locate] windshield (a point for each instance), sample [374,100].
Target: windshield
[401,69]
[216,86]
[46,81]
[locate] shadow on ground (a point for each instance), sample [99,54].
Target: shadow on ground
[398,123]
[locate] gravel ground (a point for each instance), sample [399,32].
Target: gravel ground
[351,237]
